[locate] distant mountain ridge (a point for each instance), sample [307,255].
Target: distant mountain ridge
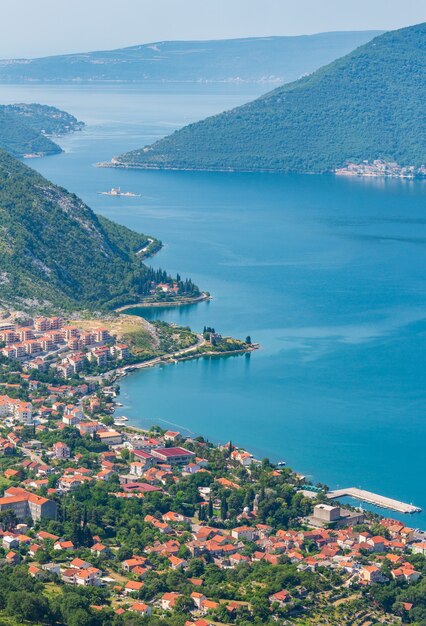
[370,104]
[261,59]
[25,129]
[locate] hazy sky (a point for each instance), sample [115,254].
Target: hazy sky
[42,27]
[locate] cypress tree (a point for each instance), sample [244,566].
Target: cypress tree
[224,508]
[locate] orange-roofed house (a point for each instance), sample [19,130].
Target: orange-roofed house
[395,559]
[12,473]
[119,611]
[209,605]
[63,545]
[177,563]
[171,435]
[13,558]
[244,532]
[86,578]
[405,573]
[371,574]
[161,526]
[295,557]
[419,548]
[377,542]
[168,600]
[26,504]
[132,586]
[129,564]
[141,608]
[33,549]
[237,559]
[198,599]
[61,450]
[281,597]
[274,559]
[243,457]
[100,550]
[80,564]
[35,572]
[43,535]
[171,516]
[105,474]
[407,534]
[140,571]
[228,484]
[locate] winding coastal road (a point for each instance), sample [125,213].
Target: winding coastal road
[165,358]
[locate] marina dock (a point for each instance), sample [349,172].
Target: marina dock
[373,498]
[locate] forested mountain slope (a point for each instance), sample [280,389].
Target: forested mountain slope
[369,104]
[25,128]
[55,252]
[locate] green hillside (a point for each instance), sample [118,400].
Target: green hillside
[55,252]
[24,128]
[367,105]
[19,138]
[44,118]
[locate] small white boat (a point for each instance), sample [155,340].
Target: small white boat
[122,418]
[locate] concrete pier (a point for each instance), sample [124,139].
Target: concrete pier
[373,498]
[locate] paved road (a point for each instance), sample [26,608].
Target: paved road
[166,358]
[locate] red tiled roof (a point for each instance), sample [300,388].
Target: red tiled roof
[171,452]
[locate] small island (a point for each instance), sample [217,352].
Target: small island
[116,191]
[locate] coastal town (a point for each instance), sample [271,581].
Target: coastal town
[65,350]
[379,168]
[154,524]
[51,338]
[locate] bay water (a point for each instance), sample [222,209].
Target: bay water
[326,273]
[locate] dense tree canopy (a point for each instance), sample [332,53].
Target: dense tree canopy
[54,249]
[367,105]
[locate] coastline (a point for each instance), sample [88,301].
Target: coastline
[335,172]
[377,500]
[169,168]
[204,297]
[181,355]
[191,353]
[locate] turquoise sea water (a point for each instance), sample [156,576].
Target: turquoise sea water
[328,274]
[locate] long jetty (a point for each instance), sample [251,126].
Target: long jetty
[373,498]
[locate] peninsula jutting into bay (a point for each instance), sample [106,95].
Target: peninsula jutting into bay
[77,259]
[365,106]
[27,130]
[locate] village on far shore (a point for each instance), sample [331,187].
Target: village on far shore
[380,168]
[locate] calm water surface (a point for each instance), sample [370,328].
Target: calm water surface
[327,274]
